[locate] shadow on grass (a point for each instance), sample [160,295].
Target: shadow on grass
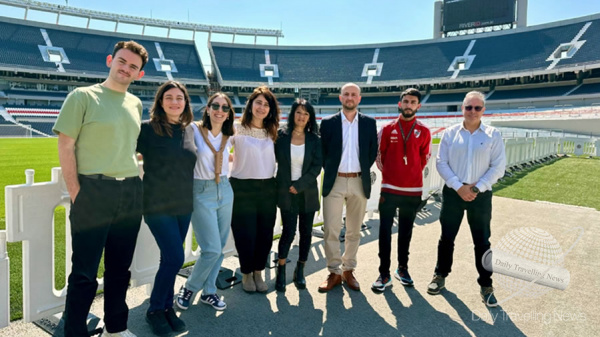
[517,175]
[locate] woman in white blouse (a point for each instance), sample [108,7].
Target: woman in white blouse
[213,200]
[254,186]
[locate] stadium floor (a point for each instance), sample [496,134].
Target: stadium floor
[457,311]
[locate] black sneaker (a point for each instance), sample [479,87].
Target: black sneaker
[214,301]
[158,322]
[183,298]
[487,295]
[382,283]
[175,322]
[437,284]
[404,277]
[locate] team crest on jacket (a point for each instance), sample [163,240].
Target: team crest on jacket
[394,131]
[417,133]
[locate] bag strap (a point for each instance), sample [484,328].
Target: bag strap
[218,154]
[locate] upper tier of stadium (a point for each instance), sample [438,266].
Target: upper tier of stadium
[570,45]
[81,52]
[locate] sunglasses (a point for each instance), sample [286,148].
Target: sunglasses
[469,108]
[216,106]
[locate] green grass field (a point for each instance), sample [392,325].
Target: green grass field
[573,181]
[17,155]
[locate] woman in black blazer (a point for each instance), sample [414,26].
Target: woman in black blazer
[299,162]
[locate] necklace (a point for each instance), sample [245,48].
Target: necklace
[299,133]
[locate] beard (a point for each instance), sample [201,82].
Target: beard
[349,106]
[408,113]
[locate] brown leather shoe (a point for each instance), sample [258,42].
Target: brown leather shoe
[350,280]
[332,281]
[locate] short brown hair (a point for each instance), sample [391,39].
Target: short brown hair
[411,92]
[133,47]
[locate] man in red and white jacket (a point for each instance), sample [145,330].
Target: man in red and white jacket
[404,149]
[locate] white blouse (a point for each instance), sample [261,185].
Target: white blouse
[253,154]
[205,164]
[297,157]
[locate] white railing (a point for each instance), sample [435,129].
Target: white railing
[4,282]
[580,146]
[518,151]
[30,219]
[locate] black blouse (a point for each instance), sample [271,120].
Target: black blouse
[168,170]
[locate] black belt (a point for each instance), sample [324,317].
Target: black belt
[103,177]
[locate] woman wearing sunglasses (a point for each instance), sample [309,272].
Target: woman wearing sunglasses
[255,197]
[166,143]
[213,200]
[299,162]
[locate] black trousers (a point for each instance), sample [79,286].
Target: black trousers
[479,216]
[253,219]
[289,220]
[407,212]
[106,216]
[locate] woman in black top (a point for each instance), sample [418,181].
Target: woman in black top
[166,143]
[299,162]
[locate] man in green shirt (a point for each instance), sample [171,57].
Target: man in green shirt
[97,131]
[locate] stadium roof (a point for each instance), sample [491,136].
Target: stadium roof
[137,20]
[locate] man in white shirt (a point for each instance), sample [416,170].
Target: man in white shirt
[349,141]
[471,159]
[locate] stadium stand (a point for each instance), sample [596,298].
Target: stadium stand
[446,97]
[84,48]
[19,44]
[37,94]
[512,67]
[588,88]
[546,91]
[493,55]
[522,51]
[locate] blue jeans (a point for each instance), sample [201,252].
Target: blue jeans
[211,220]
[169,232]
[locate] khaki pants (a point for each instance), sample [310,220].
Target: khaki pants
[351,191]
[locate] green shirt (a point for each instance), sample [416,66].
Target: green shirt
[105,124]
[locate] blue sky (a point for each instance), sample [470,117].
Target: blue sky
[308,22]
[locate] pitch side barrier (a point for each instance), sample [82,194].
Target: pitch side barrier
[4,282]
[30,219]
[580,146]
[30,209]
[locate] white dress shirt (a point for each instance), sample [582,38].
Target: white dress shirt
[349,162]
[466,157]
[205,164]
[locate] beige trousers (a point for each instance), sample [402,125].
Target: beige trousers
[349,190]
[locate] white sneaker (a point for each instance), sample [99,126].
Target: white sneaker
[125,333]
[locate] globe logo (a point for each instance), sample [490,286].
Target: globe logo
[531,244]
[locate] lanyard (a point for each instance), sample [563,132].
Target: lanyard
[405,138]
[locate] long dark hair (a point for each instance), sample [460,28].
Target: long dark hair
[158,116]
[271,122]
[311,126]
[227,128]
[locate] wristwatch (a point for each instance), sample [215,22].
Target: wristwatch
[474,189]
